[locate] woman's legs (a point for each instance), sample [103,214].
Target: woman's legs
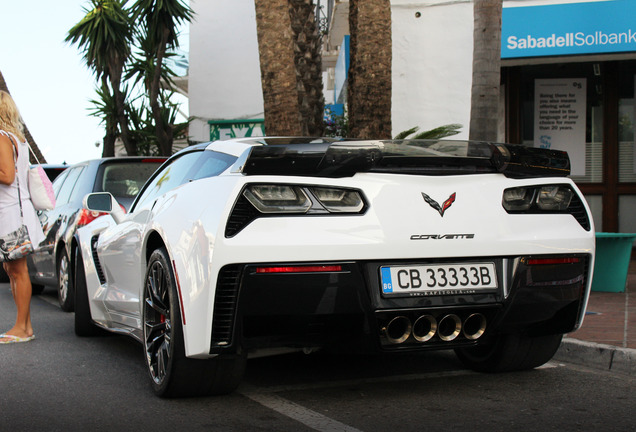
[21,289]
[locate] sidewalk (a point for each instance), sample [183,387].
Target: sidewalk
[607,339]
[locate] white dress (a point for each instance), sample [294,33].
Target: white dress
[9,209]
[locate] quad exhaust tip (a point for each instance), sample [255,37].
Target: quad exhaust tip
[398,329]
[425,327]
[449,327]
[474,326]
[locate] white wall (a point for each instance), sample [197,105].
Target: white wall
[224,75]
[432,64]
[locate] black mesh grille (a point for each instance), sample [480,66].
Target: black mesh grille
[98,266]
[577,209]
[242,214]
[227,288]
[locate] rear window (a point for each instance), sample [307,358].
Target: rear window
[124,180]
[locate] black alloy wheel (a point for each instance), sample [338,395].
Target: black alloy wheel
[172,373]
[158,317]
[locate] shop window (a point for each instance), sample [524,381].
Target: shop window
[596,207]
[562,108]
[626,121]
[626,212]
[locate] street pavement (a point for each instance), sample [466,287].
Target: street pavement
[607,338]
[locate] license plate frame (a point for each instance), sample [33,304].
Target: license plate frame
[438,279]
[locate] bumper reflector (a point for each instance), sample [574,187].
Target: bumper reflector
[300,269]
[547,261]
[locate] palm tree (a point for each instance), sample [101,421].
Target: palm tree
[369,78]
[291,74]
[27,134]
[484,109]
[159,20]
[436,133]
[278,73]
[105,36]
[308,63]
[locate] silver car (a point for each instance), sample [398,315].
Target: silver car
[123,177]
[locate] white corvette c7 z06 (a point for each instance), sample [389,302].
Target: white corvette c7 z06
[255,246]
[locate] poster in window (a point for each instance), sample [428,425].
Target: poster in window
[559,118]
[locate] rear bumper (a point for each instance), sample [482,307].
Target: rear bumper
[346,309]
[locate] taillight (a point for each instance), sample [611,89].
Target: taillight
[87,216]
[278,198]
[282,198]
[548,198]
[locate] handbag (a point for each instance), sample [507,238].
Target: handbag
[16,244]
[40,187]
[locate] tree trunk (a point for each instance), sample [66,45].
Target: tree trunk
[163,131]
[369,79]
[308,62]
[27,134]
[278,73]
[484,109]
[120,106]
[108,149]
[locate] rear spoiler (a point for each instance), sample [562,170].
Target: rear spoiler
[328,158]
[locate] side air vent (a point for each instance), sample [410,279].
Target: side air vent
[98,266]
[242,214]
[577,209]
[227,290]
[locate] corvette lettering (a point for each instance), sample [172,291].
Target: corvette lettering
[442,236]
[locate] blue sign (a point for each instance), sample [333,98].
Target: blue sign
[569,29]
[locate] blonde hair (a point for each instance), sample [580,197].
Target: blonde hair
[10,119]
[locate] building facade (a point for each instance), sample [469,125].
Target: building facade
[568,77]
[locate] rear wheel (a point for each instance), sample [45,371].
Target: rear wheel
[171,372]
[510,353]
[36,289]
[84,325]
[4,277]
[65,292]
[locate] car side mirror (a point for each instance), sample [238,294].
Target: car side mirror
[104,202]
[101,201]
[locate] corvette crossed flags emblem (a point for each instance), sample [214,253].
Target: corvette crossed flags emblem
[441,209]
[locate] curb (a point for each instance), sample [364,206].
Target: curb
[598,356]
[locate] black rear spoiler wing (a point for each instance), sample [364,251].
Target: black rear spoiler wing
[329,158]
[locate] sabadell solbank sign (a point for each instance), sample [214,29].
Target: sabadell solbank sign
[569,29]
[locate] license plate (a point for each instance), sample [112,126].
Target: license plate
[438,279]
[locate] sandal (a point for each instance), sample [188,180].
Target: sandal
[7,339]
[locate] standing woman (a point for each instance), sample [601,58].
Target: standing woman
[13,147]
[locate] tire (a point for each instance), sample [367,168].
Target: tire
[84,325]
[172,374]
[65,292]
[36,289]
[510,353]
[4,277]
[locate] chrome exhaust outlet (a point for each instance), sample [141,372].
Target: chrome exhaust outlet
[424,328]
[398,329]
[474,326]
[449,327]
